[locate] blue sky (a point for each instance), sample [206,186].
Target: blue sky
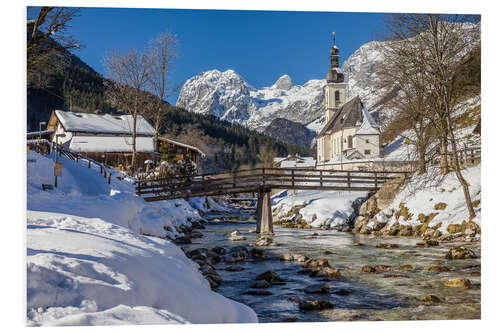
[259,45]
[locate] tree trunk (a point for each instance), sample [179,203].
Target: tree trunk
[458,172]
[157,127]
[421,160]
[134,135]
[444,155]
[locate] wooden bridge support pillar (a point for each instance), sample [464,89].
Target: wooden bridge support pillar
[264,213]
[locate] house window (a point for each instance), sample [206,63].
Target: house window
[337,96]
[367,151]
[349,141]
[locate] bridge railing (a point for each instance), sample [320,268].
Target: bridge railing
[251,180]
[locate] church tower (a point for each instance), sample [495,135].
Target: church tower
[336,89]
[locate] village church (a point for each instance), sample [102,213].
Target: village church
[350,133]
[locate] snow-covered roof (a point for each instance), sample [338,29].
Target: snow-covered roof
[184,145]
[111,144]
[300,162]
[369,125]
[103,123]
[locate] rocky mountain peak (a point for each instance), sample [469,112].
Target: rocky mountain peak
[283,83]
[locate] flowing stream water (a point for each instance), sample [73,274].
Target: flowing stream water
[394,294]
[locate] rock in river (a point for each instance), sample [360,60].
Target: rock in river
[270,277]
[368,269]
[387,246]
[437,268]
[312,263]
[458,283]
[318,288]
[234,268]
[342,292]
[236,236]
[262,284]
[314,304]
[182,240]
[326,272]
[236,254]
[258,254]
[431,299]
[460,252]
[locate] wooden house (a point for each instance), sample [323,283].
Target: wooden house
[103,137]
[182,150]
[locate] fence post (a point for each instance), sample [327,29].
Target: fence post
[263,176]
[348,179]
[89,164]
[293,177]
[376,180]
[321,178]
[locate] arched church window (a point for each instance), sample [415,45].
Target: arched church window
[337,96]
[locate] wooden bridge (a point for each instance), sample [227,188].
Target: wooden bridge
[262,181]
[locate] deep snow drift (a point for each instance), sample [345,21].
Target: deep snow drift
[90,261]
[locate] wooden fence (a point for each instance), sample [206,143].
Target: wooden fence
[104,170]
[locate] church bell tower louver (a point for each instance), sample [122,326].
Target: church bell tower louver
[336,88]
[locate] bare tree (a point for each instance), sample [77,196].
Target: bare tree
[129,73]
[47,39]
[435,44]
[402,74]
[162,52]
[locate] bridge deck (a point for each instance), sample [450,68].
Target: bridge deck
[263,180]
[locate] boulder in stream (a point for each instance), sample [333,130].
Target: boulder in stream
[460,252]
[270,277]
[458,283]
[318,288]
[309,304]
[258,254]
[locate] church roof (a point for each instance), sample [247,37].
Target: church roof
[348,115]
[369,125]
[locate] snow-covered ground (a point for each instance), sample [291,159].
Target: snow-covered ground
[426,194]
[91,259]
[320,207]
[83,191]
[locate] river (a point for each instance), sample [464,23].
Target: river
[392,294]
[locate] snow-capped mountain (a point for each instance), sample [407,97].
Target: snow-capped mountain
[360,74]
[228,96]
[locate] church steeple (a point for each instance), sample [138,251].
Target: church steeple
[333,75]
[334,54]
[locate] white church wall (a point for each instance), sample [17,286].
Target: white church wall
[368,143]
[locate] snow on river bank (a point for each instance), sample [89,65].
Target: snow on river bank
[90,262]
[315,207]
